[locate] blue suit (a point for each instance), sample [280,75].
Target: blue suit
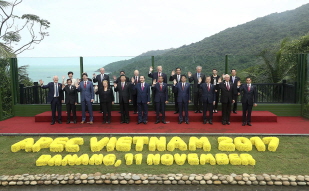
[86,94]
[54,101]
[208,97]
[184,95]
[160,96]
[143,96]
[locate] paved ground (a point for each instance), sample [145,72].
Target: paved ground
[154,188]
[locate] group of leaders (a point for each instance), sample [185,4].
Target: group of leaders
[206,91]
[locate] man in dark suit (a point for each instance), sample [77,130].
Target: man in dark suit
[176,76]
[196,93]
[124,89]
[70,99]
[208,99]
[234,79]
[116,80]
[248,100]
[228,91]
[184,95]
[214,81]
[136,78]
[143,99]
[154,76]
[87,97]
[159,90]
[100,78]
[55,97]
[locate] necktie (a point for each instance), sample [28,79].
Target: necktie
[228,86]
[178,78]
[208,87]
[233,78]
[122,85]
[248,87]
[70,87]
[56,89]
[183,86]
[160,87]
[142,86]
[135,79]
[198,75]
[102,77]
[85,84]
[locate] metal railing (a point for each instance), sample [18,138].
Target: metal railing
[267,93]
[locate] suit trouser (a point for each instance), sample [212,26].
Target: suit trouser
[197,101]
[207,107]
[134,102]
[246,112]
[160,106]
[235,104]
[106,107]
[226,111]
[183,106]
[56,105]
[87,103]
[71,107]
[217,98]
[124,109]
[176,103]
[142,112]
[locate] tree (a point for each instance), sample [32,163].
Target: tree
[11,26]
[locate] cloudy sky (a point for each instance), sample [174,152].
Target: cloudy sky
[131,27]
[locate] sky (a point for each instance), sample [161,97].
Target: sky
[131,27]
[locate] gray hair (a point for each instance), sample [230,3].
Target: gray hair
[198,67]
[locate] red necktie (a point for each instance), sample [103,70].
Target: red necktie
[85,85]
[183,86]
[142,87]
[228,86]
[160,87]
[208,87]
[248,88]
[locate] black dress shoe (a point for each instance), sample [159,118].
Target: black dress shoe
[68,122]
[243,123]
[228,123]
[108,122]
[187,122]
[235,112]
[145,122]
[134,112]
[200,111]
[164,122]
[223,123]
[176,112]
[204,122]
[59,121]
[180,122]
[157,122]
[249,124]
[75,122]
[121,122]
[127,122]
[210,122]
[53,122]
[195,111]
[138,123]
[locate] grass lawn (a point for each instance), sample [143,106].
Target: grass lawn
[291,157]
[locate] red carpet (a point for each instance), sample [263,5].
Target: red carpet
[284,125]
[257,116]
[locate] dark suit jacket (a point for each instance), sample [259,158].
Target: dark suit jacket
[227,95]
[124,94]
[213,79]
[70,94]
[143,96]
[99,80]
[174,77]
[208,96]
[160,96]
[154,75]
[183,95]
[194,78]
[86,93]
[235,81]
[109,98]
[250,96]
[51,90]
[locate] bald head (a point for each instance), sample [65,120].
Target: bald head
[55,79]
[102,70]
[227,77]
